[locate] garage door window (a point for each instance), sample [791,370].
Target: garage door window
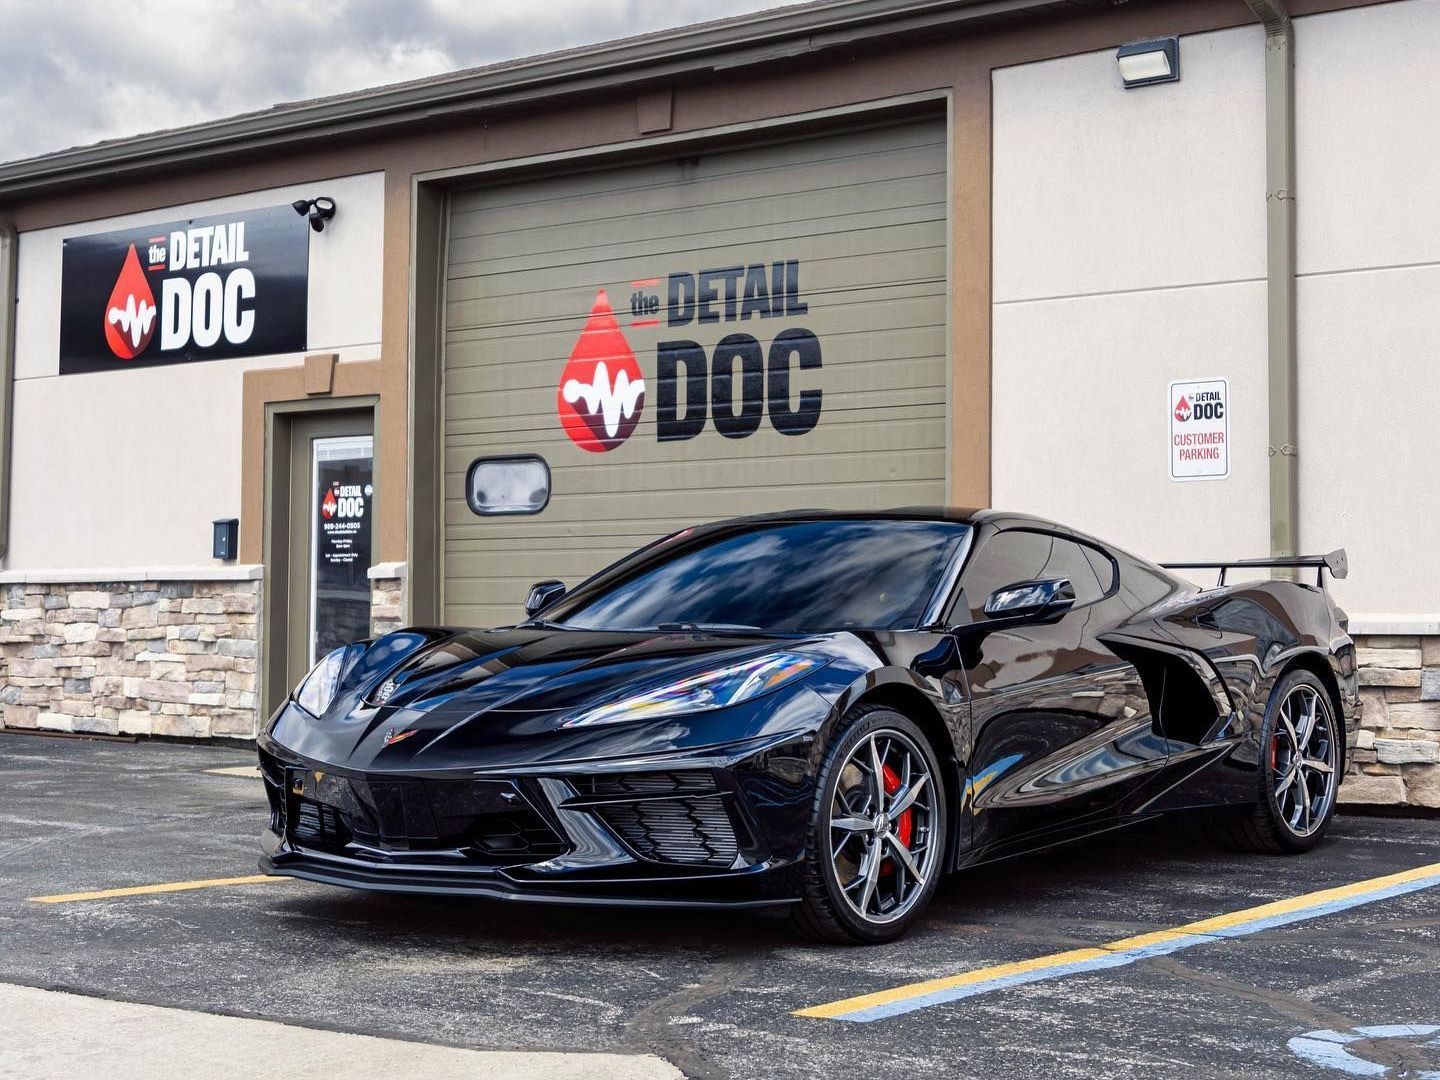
[508,485]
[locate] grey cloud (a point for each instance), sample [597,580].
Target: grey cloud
[79,71]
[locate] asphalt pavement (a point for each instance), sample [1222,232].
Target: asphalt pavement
[1347,978]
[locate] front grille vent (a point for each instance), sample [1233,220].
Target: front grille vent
[319,826]
[695,832]
[521,832]
[657,783]
[674,817]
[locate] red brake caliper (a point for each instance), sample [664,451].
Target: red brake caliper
[904,825]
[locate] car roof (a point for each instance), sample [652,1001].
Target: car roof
[990,520]
[959,515]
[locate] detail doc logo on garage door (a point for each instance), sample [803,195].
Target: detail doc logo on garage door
[602,388]
[202,289]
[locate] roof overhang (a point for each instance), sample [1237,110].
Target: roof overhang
[757,38]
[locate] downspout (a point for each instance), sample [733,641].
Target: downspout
[1280,270]
[9,278]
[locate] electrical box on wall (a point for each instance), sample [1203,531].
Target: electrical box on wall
[225,538]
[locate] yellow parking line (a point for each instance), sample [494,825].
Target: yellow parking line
[163,887]
[882,1004]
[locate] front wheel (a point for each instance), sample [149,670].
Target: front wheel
[877,831]
[1300,760]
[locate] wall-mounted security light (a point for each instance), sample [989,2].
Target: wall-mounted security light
[318,210]
[1145,63]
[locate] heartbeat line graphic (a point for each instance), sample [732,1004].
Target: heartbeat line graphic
[611,402]
[132,320]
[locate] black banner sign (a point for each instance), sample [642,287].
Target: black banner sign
[203,289]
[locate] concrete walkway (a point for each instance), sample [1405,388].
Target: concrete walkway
[52,1036]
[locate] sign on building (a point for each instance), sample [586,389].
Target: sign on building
[203,289]
[1200,429]
[344,489]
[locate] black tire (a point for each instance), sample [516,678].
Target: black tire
[824,914]
[1266,829]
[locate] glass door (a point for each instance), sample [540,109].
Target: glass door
[329,536]
[342,497]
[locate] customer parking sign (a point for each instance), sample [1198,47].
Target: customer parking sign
[1200,429]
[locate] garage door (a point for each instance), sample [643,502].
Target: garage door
[741,332]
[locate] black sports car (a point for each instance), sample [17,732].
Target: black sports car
[820,710]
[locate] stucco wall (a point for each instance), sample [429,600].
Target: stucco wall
[1368,108]
[1129,250]
[128,468]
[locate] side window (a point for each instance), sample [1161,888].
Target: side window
[1021,555]
[1142,585]
[1103,565]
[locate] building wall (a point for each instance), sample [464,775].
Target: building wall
[1367,107]
[115,618]
[1129,250]
[154,453]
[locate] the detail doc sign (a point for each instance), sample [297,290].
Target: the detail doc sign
[732,384]
[203,289]
[1200,429]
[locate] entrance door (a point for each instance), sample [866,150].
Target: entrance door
[332,500]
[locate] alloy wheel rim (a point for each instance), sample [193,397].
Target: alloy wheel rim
[1303,757]
[882,827]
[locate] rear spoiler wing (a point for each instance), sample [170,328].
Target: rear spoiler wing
[1335,562]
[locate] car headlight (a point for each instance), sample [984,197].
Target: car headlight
[317,690]
[713,689]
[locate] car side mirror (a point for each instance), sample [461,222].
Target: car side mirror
[542,595]
[1031,599]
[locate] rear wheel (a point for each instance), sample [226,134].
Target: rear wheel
[1299,771]
[876,833]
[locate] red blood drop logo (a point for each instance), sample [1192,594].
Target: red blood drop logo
[130,313]
[327,505]
[1182,409]
[602,389]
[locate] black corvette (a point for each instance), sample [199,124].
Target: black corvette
[821,710]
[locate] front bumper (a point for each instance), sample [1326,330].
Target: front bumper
[722,829]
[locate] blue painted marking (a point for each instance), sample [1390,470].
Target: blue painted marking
[1327,1048]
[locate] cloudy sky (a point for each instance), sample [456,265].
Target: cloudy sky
[77,71]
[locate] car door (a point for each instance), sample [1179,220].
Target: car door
[1061,725]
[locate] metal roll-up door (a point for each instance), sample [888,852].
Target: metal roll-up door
[784,307]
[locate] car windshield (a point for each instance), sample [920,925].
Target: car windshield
[787,578]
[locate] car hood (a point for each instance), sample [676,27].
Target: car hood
[436,699]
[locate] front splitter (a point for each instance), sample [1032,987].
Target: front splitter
[418,882]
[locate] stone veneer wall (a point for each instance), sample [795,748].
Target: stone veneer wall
[1397,758]
[387,598]
[133,657]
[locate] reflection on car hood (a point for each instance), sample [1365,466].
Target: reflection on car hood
[549,670]
[458,696]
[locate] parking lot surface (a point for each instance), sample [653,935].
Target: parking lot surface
[716,994]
